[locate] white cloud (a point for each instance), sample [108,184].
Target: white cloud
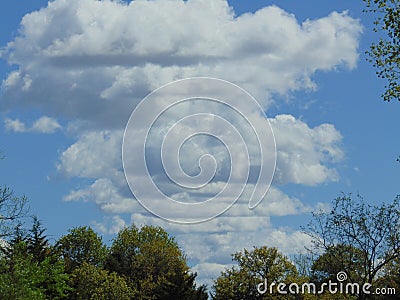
[303,151]
[95,154]
[14,125]
[106,195]
[41,125]
[94,60]
[45,125]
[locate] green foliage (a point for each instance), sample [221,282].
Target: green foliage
[153,264]
[253,268]
[38,244]
[339,258]
[23,277]
[94,283]
[81,245]
[143,264]
[385,54]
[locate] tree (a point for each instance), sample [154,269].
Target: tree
[17,275]
[23,277]
[254,267]
[385,54]
[38,244]
[81,245]
[338,258]
[153,264]
[94,283]
[351,224]
[12,208]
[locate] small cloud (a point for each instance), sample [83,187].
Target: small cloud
[45,125]
[14,125]
[42,125]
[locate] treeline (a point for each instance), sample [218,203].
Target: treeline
[355,255]
[143,263]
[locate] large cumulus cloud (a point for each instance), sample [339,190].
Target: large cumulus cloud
[94,60]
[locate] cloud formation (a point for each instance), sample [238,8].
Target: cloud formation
[41,125]
[304,160]
[91,62]
[94,60]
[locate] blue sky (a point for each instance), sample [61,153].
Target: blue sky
[63,109]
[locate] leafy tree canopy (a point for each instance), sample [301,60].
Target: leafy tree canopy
[94,283]
[385,54]
[81,245]
[254,267]
[153,263]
